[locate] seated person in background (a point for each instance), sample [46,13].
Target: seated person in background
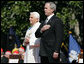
[6,57]
[21,52]
[14,58]
[16,52]
[7,54]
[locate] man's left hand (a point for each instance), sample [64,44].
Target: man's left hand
[55,55]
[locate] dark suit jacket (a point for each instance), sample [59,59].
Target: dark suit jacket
[4,59]
[52,38]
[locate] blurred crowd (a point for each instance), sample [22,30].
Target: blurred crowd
[5,56]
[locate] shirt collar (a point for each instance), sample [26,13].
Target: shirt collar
[50,16]
[36,23]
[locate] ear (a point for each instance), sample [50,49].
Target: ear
[52,10]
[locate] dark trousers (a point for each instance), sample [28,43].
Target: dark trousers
[45,59]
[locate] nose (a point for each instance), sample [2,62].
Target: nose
[29,18]
[44,9]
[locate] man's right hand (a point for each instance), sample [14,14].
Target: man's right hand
[45,27]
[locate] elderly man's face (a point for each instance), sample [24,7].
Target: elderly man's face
[20,52]
[48,11]
[32,19]
[7,55]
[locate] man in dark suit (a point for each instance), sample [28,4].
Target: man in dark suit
[51,33]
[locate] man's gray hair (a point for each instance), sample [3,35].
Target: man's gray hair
[36,14]
[52,5]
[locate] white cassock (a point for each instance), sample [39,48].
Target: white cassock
[32,54]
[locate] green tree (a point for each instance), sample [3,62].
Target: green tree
[70,14]
[16,13]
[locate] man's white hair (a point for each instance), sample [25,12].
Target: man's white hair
[36,14]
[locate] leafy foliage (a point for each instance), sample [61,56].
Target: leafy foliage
[16,13]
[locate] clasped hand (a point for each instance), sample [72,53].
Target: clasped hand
[27,41]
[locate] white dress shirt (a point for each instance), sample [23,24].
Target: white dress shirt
[48,18]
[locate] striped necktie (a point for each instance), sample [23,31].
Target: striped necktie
[46,20]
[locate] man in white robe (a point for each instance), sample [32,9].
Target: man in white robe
[31,42]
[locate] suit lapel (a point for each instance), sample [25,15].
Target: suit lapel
[50,19]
